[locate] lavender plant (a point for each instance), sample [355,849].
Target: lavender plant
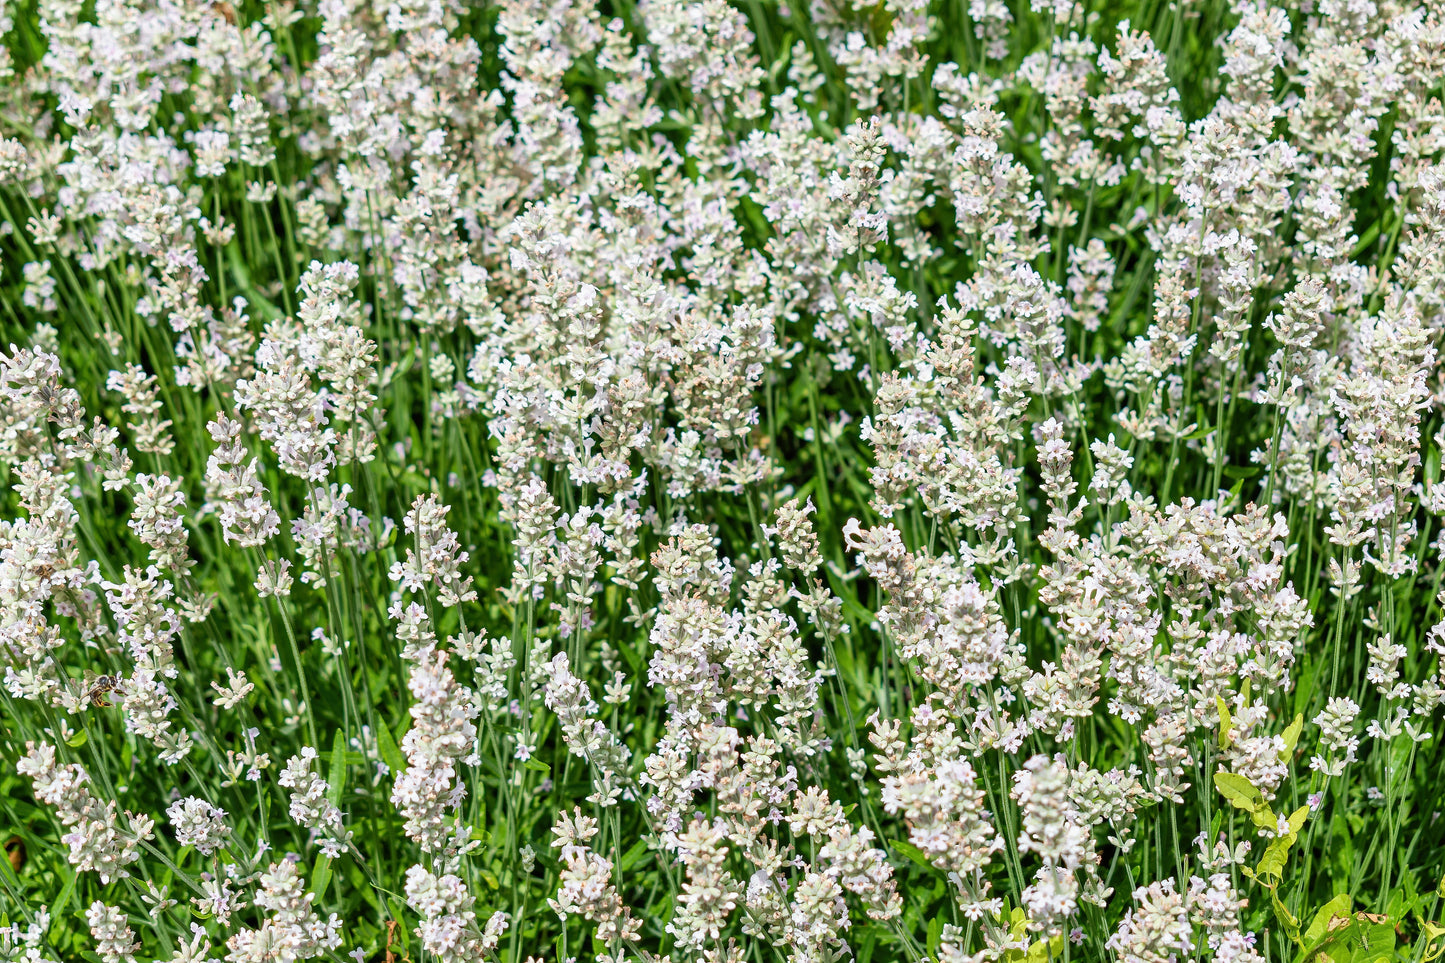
[707,482]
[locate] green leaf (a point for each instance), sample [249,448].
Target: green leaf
[390,754]
[1371,235]
[1339,906]
[1041,951]
[336,779]
[258,302]
[1273,860]
[536,765]
[1271,864]
[77,740]
[398,913]
[321,877]
[633,856]
[1226,724]
[57,909]
[1377,939]
[935,934]
[1242,795]
[903,848]
[1286,918]
[781,63]
[1291,738]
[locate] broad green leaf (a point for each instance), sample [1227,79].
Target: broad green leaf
[1291,738]
[1273,860]
[1339,906]
[1226,723]
[1242,795]
[1271,864]
[1041,951]
[1361,938]
[1376,938]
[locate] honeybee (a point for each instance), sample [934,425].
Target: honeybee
[227,12]
[98,687]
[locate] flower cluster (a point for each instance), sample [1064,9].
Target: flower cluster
[704,481]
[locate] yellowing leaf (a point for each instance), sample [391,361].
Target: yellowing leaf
[1291,737]
[1297,820]
[1339,906]
[1242,795]
[1239,791]
[1041,951]
[1286,918]
[1273,860]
